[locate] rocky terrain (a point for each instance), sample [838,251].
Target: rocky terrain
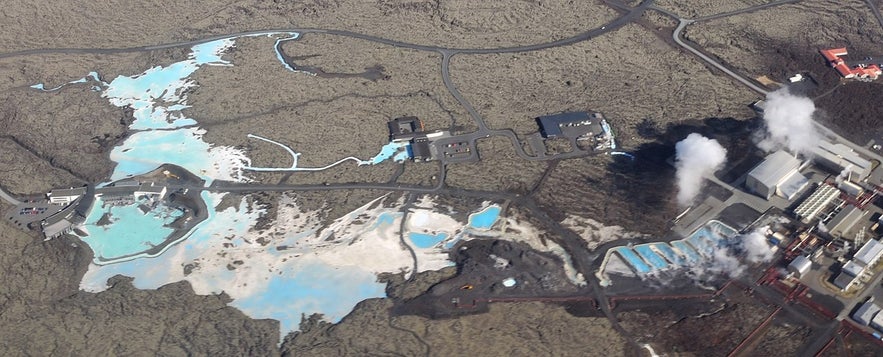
[648,80]
[636,76]
[461,23]
[751,44]
[44,313]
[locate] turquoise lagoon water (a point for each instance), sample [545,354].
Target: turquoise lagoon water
[425,241]
[668,253]
[146,150]
[93,76]
[296,287]
[695,249]
[302,286]
[484,219]
[313,288]
[651,257]
[385,219]
[688,251]
[130,232]
[388,151]
[633,259]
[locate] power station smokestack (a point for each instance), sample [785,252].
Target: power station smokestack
[696,157]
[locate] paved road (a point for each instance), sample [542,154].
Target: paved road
[748,9]
[676,36]
[8,198]
[446,52]
[583,36]
[875,8]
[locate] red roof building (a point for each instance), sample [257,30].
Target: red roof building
[833,56]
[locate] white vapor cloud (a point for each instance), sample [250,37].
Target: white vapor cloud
[789,123]
[757,249]
[696,157]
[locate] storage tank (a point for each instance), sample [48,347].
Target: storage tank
[800,266]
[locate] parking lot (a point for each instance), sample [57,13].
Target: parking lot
[455,149]
[31,211]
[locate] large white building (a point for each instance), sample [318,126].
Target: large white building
[840,158]
[862,262]
[777,175]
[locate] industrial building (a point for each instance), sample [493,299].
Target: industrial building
[62,222]
[420,149]
[800,266]
[570,125]
[861,71]
[777,175]
[816,203]
[866,313]
[839,158]
[862,262]
[845,220]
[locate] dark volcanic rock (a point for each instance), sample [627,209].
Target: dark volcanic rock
[43,313]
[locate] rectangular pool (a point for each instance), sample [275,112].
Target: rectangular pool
[651,257]
[686,250]
[633,259]
[668,253]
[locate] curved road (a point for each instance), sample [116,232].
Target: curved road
[583,36]
[446,52]
[8,198]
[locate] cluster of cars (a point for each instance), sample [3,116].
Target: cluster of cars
[457,148]
[31,210]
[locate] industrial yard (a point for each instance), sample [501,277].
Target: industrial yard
[807,215]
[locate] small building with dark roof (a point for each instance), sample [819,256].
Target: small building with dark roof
[404,128]
[420,149]
[570,125]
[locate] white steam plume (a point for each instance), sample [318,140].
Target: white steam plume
[697,156]
[789,123]
[757,249]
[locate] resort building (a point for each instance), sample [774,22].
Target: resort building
[65,195]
